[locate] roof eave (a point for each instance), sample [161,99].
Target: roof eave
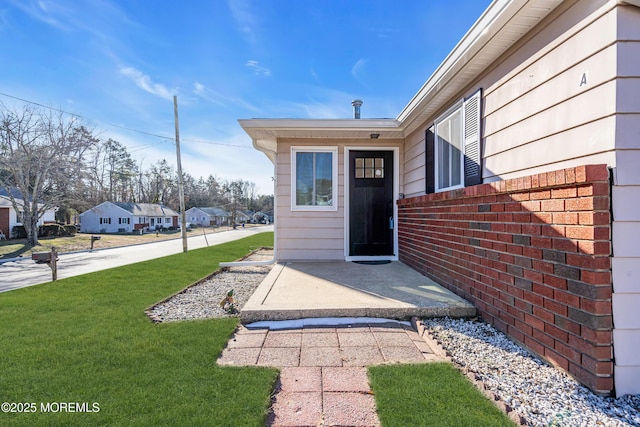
[635,3]
[266,132]
[500,27]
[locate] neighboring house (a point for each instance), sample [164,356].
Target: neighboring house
[116,217]
[511,178]
[261,217]
[206,217]
[9,218]
[242,217]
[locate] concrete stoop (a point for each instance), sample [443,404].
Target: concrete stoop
[346,289]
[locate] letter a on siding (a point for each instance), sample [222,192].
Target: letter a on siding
[472,135]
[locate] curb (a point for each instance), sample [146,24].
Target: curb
[475,379]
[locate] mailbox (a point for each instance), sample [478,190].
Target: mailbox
[93,239]
[49,258]
[41,257]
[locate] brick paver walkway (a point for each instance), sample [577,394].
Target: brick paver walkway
[323,379]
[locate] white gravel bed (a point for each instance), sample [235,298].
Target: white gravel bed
[202,300]
[542,394]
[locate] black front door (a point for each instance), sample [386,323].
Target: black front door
[371,219]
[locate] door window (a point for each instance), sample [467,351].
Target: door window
[367,167]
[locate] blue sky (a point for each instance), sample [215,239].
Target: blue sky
[119,63]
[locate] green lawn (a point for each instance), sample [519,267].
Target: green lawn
[433,394]
[87,339]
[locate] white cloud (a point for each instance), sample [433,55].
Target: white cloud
[258,69]
[4,22]
[144,82]
[208,94]
[217,98]
[314,74]
[248,164]
[198,87]
[244,18]
[358,68]
[230,157]
[40,11]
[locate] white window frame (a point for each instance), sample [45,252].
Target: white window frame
[334,178]
[457,108]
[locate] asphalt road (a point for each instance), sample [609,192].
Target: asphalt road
[25,272]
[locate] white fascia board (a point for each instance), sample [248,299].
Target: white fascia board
[318,124]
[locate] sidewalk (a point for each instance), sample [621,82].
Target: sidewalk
[323,378]
[25,272]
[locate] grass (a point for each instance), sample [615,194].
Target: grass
[433,394]
[86,339]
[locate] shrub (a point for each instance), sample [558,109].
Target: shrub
[56,230]
[47,230]
[18,232]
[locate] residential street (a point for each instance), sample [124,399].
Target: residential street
[18,274]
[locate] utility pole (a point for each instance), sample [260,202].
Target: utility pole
[183,217]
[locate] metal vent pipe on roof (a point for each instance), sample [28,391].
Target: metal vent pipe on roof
[357,103]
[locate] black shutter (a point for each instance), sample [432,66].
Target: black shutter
[430,160]
[472,135]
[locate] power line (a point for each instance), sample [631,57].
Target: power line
[164,137]
[140,131]
[215,143]
[40,105]
[85,118]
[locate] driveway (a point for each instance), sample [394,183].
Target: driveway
[25,272]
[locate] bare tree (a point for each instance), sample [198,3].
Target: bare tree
[41,155]
[159,183]
[236,193]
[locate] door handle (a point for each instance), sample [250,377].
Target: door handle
[390,223]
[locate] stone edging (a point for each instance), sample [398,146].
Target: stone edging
[149,310]
[440,351]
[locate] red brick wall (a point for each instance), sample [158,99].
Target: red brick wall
[533,255]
